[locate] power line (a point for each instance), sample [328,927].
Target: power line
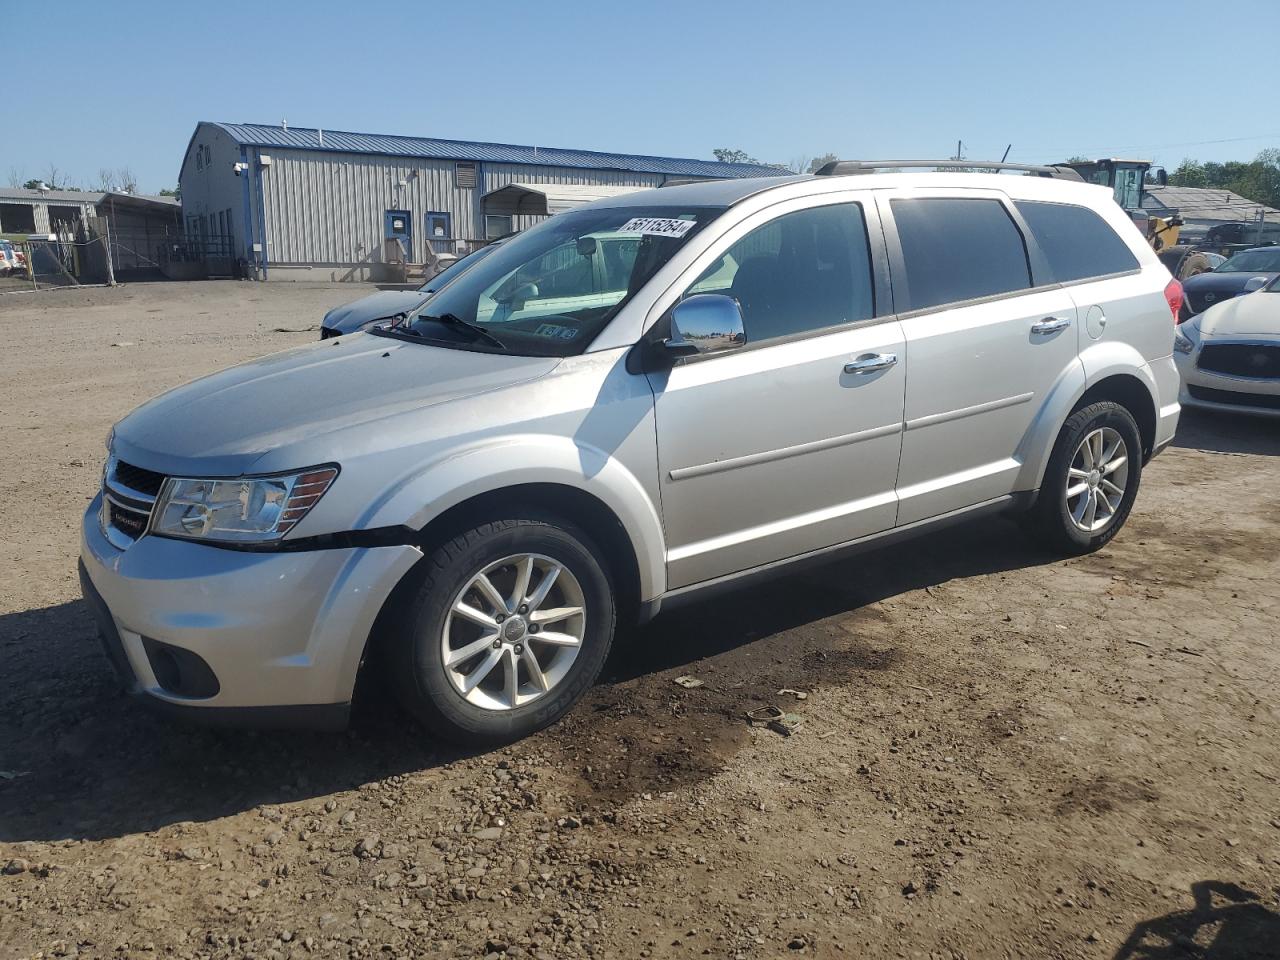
[1167,146]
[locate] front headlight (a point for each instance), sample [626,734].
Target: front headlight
[1181,342]
[247,510]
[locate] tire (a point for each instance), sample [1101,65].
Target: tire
[493,712]
[1052,520]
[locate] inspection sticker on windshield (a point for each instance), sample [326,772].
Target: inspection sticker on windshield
[657,226]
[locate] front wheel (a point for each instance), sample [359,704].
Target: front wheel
[507,628]
[1091,481]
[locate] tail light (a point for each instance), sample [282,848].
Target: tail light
[1174,296]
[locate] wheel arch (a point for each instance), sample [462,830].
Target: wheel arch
[1131,393]
[1130,385]
[554,500]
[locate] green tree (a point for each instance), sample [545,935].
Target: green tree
[727,155]
[176,194]
[1257,180]
[820,161]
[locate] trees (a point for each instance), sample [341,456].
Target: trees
[801,164]
[1257,179]
[727,155]
[820,161]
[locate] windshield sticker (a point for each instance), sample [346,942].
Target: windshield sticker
[657,226]
[555,331]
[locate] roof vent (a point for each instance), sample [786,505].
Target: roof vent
[464,175]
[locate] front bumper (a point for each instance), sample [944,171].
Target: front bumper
[282,634]
[1207,390]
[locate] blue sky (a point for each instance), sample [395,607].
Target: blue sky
[781,80]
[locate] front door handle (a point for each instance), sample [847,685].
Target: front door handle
[1051,325]
[871,362]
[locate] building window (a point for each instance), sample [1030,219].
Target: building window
[200,157]
[496,226]
[464,175]
[17,218]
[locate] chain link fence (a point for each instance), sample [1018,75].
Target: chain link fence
[93,251]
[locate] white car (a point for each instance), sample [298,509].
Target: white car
[10,262]
[1229,356]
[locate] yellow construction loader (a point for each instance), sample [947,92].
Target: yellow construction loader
[1127,180]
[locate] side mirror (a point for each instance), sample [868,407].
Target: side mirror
[704,323]
[1255,283]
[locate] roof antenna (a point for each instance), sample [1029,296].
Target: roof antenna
[320,134]
[284,124]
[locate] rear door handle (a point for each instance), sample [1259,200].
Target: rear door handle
[1051,325]
[871,362]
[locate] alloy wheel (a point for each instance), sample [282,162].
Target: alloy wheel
[1096,479]
[513,631]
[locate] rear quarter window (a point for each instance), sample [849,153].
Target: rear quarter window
[1077,242]
[958,249]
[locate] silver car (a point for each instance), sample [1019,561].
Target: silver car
[627,407]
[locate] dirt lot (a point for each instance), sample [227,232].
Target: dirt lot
[1003,754]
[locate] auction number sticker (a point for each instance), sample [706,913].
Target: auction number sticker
[657,226]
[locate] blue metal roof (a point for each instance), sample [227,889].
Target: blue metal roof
[340,141]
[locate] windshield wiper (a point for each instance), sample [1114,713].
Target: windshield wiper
[479,332]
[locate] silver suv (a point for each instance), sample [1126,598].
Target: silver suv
[629,405]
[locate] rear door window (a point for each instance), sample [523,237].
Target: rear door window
[958,249]
[1077,242]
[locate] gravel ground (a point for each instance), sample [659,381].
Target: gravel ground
[1003,754]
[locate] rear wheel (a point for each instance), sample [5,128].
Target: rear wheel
[509,626]
[1091,481]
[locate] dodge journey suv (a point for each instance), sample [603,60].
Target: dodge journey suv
[628,406]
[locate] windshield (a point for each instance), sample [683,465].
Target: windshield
[1253,261]
[457,267]
[549,291]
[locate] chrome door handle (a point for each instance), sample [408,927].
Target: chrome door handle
[871,362]
[1051,325]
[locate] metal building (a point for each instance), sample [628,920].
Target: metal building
[142,228]
[278,202]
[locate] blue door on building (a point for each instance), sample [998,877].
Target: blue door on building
[399,226]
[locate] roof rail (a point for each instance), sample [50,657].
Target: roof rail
[839,168]
[685,181]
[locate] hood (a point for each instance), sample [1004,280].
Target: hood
[1220,284]
[1256,314]
[223,424]
[349,317]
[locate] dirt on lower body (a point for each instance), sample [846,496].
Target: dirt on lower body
[1001,753]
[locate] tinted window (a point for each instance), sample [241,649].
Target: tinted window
[1077,242]
[803,271]
[958,250]
[1252,261]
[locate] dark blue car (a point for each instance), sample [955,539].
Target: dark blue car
[1246,271]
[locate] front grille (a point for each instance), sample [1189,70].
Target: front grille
[131,523]
[1259,361]
[129,494]
[1260,400]
[136,478]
